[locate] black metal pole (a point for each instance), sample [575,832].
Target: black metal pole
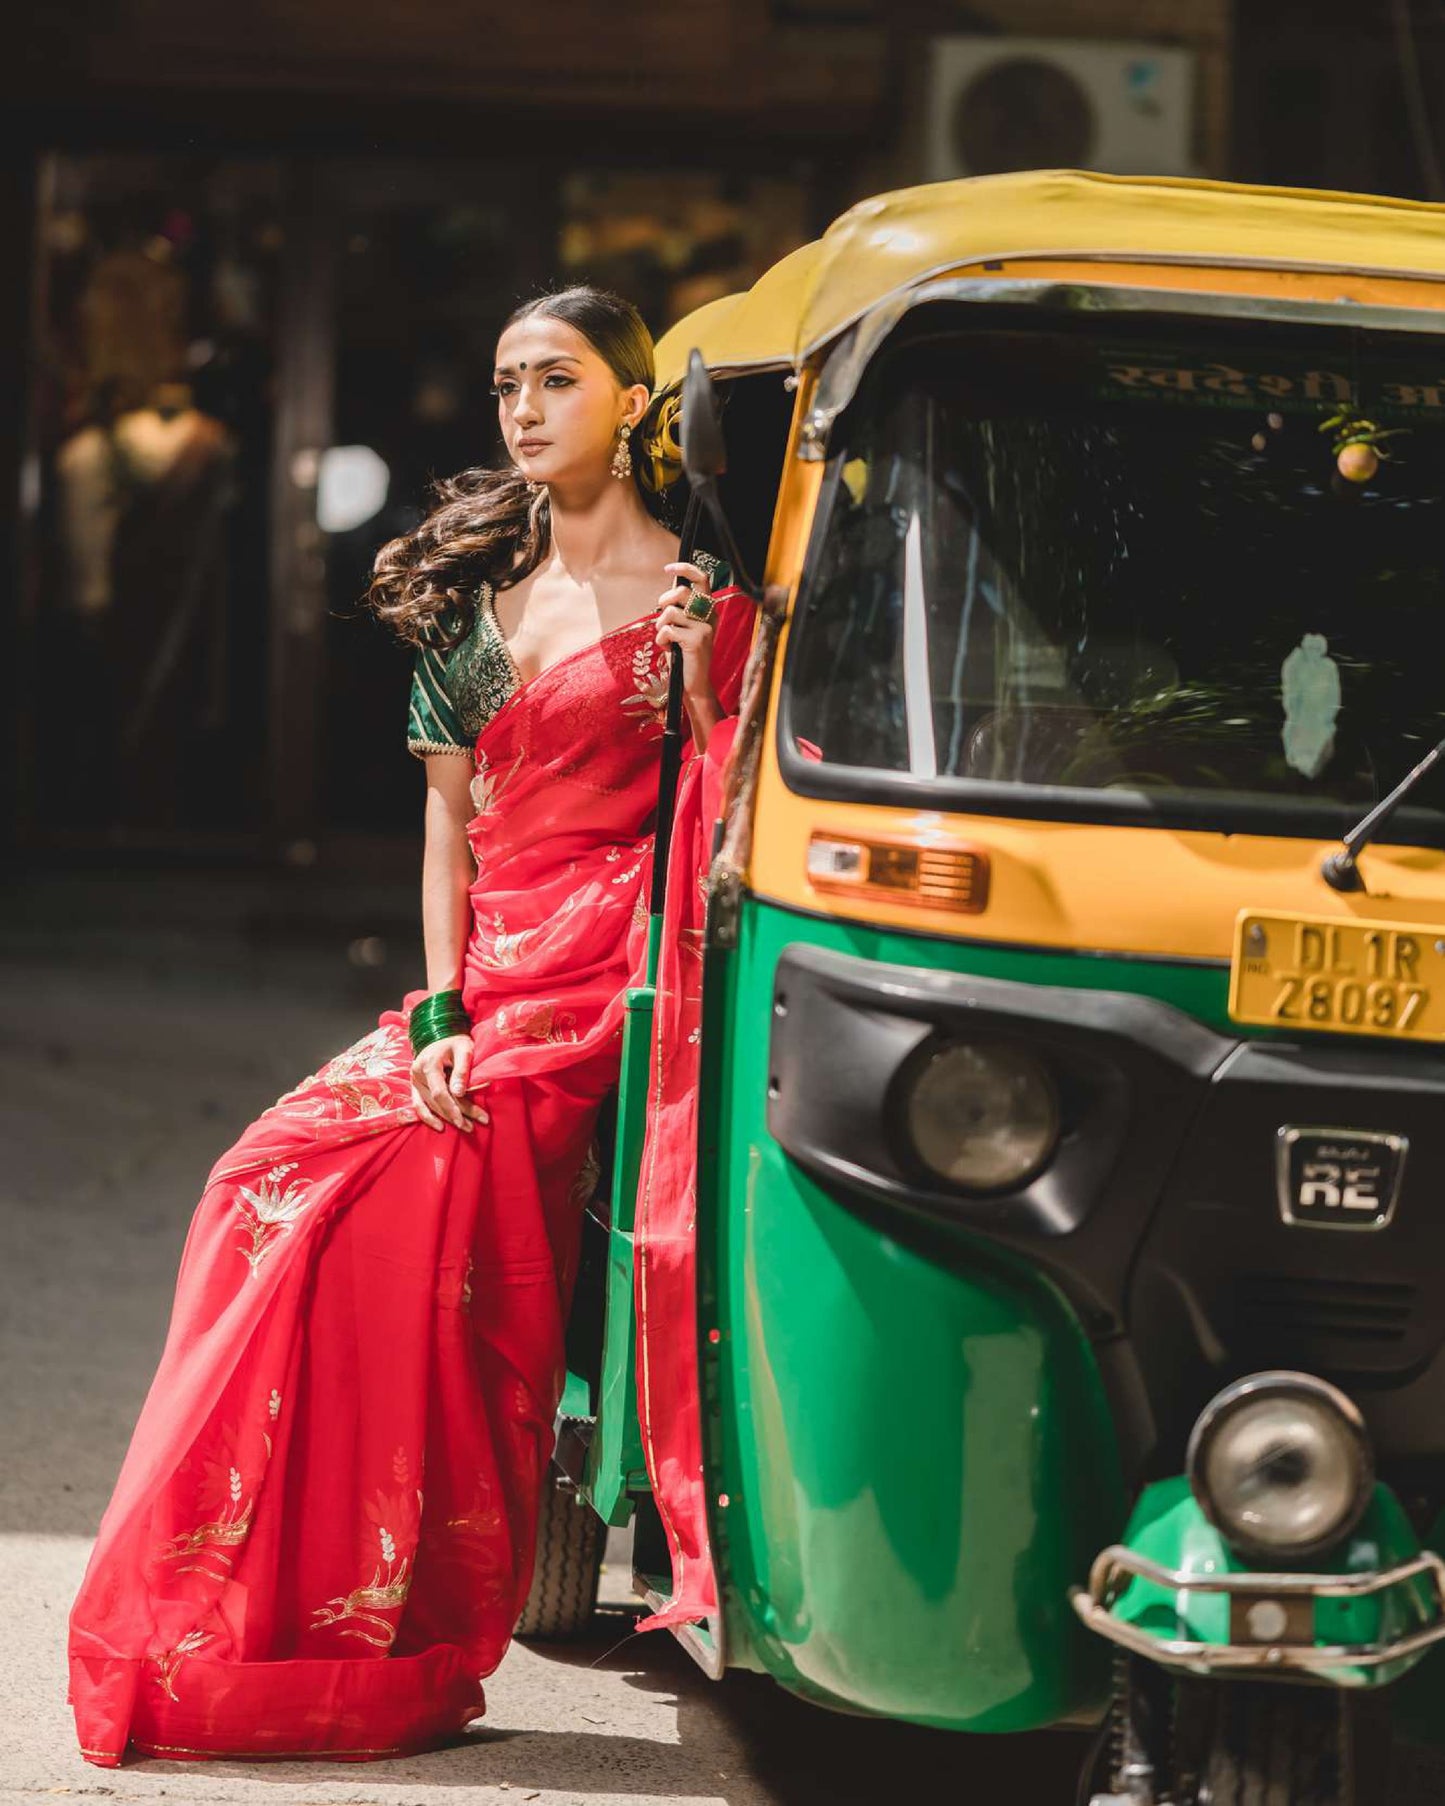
[671,739]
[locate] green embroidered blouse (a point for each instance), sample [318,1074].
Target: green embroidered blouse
[455,694]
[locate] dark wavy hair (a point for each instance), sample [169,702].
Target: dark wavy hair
[488,525]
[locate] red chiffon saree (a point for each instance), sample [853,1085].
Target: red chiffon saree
[322,1532]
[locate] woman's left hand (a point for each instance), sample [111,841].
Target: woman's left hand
[678,628]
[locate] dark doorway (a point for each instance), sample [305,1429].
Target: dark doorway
[248,371]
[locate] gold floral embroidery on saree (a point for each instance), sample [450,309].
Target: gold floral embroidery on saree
[536,1019]
[395,1517]
[269,1211]
[366,1604]
[228,1499]
[377,1060]
[497,947]
[213,1544]
[170,1662]
[476,1540]
[652,666]
[648,703]
[482,1519]
[369,1078]
[615,856]
[488,786]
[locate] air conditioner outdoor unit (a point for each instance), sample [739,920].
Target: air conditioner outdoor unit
[996,104]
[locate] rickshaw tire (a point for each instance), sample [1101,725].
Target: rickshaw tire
[1236,1743]
[1274,1744]
[562,1598]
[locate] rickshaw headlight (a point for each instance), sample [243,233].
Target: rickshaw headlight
[982,1115]
[1281,1464]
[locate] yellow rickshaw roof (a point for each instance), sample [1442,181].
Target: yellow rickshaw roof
[705,325]
[755,329]
[893,242]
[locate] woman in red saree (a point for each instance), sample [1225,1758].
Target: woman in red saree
[322,1532]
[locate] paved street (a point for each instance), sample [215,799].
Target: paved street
[142,1024]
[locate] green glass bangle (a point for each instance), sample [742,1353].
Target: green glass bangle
[428,1014]
[443,1032]
[431,1007]
[439,1001]
[438,1031]
[437,1017]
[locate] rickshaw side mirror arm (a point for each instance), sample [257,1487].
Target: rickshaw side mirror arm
[705,459]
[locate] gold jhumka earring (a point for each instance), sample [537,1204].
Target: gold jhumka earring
[622,456]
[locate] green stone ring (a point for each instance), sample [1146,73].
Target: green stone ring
[699,606]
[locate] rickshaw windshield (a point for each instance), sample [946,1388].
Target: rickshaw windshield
[1119,565]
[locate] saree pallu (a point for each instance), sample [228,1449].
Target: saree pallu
[322,1531]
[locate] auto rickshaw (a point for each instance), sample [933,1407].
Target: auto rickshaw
[1072,1107]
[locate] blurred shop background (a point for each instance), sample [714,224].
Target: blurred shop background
[256,258]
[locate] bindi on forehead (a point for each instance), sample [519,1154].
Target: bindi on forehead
[541,363]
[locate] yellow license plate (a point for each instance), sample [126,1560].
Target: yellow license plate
[1341,978]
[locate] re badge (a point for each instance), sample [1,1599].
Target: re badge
[1338,1178]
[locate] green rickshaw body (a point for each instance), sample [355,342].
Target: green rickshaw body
[908,1430]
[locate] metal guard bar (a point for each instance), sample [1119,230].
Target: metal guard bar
[1116,1562]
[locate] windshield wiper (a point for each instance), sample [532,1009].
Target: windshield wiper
[1341,869]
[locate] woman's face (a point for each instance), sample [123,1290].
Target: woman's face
[558,402]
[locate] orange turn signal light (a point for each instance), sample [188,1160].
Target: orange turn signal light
[895,871]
